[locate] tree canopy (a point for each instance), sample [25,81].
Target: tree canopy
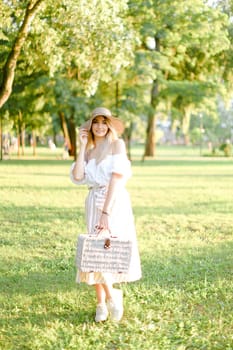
[61,58]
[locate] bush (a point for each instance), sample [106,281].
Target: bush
[226,148]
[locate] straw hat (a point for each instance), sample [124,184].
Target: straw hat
[116,123]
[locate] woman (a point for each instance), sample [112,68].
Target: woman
[103,165]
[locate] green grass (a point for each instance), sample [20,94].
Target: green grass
[183,213]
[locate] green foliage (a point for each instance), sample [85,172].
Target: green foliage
[226,148]
[69,50]
[90,42]
[183,213]
[183,67]
[216,126]
[195,136]
[76,50]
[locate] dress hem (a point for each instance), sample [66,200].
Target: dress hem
[109,279]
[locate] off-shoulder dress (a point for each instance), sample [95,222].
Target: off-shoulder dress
[97,177]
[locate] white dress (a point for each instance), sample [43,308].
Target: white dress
[121,220]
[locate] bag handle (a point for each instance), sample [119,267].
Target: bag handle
[107,242]
[102,232]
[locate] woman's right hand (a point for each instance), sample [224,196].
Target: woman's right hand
[83,136]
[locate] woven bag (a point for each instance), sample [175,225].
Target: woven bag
[103,254]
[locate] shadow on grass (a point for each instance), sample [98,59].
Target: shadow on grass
[38,283]
[149,162]
[35,188]
[195,175]
[44,275]
[38,248]
[41,298]
[38,215]
[199,207]
[184,162]
[179,269]
[37,162]
[79,315]
[55,298]
[188,268]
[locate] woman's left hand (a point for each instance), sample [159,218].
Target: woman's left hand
[103,223]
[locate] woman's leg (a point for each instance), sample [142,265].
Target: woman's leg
[114,302]
[101,310]
[100,293]
[108,289]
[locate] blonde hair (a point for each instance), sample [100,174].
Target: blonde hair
[106,147]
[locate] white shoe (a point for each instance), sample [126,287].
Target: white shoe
[101,313]
[115,305]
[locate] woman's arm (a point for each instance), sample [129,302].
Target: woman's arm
[112,190]
[115,182]
[106,212]
[78,170]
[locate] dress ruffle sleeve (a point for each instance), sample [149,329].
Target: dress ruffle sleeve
[80,182]
[121,165]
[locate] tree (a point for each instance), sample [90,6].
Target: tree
[180,31]
[226,58]
[9,67]
[8,70]
[91,51]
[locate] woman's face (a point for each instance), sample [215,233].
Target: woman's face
[99,126]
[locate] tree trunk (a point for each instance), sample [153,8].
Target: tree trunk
[21,133]
[19,129]
[186,124]
[150,136]
[18,143]
[34,143]
[23,138]
[150,131]
[117,97]
[10,65]
[127,138]
[1,136]
[72,133]
[54,138]
[66,133]
[151,120]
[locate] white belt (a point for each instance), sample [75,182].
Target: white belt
[100,193]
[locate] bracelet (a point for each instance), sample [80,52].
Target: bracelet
[104,212]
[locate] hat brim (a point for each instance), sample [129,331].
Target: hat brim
[116,123]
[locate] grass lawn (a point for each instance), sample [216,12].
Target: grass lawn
[183,206]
